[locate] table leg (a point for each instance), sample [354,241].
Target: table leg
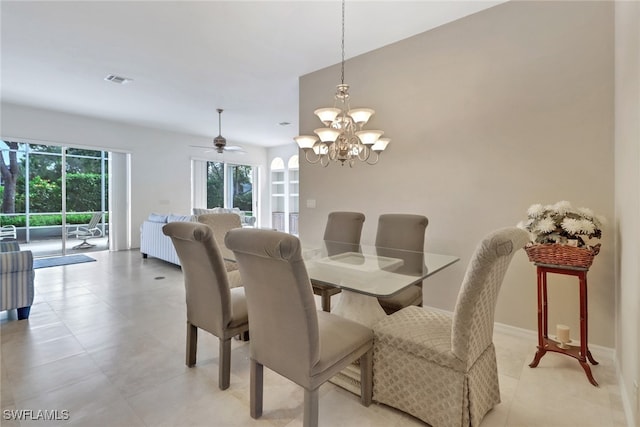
[360,308]
[542,318]
[365,310]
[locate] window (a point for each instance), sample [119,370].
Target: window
[227,186]
[240,187]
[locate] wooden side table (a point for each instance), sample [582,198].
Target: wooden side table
[581,353]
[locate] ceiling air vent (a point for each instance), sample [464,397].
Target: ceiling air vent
[118,79]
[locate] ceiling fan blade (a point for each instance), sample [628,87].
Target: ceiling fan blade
[230,148]
[233,148]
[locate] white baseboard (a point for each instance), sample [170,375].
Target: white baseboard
[599,352]
[627,401]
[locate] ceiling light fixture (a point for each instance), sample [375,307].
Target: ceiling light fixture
[118,79]
[219,141]
[343,139]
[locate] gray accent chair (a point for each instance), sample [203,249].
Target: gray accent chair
[16,279]
[401,231]
[220,223]
[211,304]
[288,334]
[442,368]
[343,227]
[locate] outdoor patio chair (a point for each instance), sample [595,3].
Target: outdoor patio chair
[8,232]
[87,232]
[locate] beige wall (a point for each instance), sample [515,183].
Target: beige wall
[627,190]
[487,115]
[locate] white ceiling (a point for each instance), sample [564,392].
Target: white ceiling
[187,58]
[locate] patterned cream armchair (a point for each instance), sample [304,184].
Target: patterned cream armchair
[16,279]
[441,368]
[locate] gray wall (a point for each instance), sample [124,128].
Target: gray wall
[487,115]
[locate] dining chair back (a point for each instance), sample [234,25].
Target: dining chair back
[342,227]
[220,223]
[407,232]
[288,334]
[211,304]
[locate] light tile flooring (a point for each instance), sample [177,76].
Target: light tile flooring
[105,342]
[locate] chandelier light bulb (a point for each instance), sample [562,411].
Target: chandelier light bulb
[361,115]
[327,115]
[380,144]
[306,141]
[327,134]
[369,137]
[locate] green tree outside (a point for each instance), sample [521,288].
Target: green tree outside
[83,183]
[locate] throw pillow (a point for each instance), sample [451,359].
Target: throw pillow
[180,218]
[154,217]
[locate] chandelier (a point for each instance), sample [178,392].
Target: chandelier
[343,138]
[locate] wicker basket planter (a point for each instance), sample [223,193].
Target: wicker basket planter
[565,255]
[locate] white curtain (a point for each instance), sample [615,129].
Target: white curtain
[119,201]
[198,183]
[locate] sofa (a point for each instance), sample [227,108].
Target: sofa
[154,243]
[16,279]
[246,220]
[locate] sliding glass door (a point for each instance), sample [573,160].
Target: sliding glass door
[48,191]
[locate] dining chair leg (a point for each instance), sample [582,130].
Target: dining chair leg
[192,344]
[366,377]
[326,302]
[310,417]
[255,389]
[224,364]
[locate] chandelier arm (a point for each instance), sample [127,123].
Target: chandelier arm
[306,156]
[375,161]
[324,161]
[363,152]
[333,151]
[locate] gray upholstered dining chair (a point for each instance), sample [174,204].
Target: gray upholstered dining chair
[343,227]
[211,304]
[288,334]
[402,231]
[439,367]
[220,223]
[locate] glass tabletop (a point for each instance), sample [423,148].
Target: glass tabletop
[370,270]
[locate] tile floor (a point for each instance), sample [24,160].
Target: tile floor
[105,342]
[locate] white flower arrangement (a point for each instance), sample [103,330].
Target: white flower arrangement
[561,223]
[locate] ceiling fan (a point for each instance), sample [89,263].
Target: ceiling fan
[220,142]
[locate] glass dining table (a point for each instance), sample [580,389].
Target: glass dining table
[364,273]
